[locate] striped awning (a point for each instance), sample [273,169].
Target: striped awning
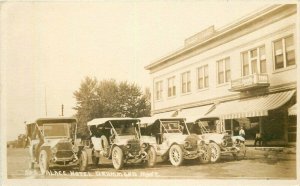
[192,114]
[293,110]
[252,107]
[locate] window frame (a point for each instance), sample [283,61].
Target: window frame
[259,60]
[158,85]
[283,52]
[187,85]
[173,87]
[204,77]
[224,70]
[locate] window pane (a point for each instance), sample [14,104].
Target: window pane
[290,56]
[206,70]
[220,66]
[253,53]
[189,86]
[228,76]
[227,64]
[278,45]
[254,66]
[221,77]
[289,41]
[246,70]
[200,84]
[278,61]
[206,82]
[263,66]
[174,90]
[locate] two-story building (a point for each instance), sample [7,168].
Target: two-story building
[244,73]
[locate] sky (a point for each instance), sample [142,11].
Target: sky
[48,48]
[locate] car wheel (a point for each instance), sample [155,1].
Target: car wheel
[206,156]
[83,161]
[95,159]
[215,152]
[31,165]
[44,162]
[176,155]
[151,159]
[117,158]
[242,153]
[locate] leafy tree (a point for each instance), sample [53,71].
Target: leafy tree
[108,98]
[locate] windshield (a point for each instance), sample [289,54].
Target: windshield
[207,126]
[56,130]
[172,126]
[125,128]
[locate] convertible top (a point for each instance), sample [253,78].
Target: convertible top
[150,120]
[195,118]
[41,121]
[102,121]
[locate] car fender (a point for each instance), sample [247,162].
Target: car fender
[234,138]
[213,137]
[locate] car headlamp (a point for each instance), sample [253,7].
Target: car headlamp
[144,145]
[201,142]
[54,150]
[75,148]
[128,146]
[186,144]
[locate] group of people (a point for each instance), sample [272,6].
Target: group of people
[258,137]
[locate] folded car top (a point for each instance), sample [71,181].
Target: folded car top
[101,121]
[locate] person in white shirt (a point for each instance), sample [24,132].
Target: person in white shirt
[242,132]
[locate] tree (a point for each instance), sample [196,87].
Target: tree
[108,98]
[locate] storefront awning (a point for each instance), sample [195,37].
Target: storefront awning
[252,107]
[192,114]
[293,110]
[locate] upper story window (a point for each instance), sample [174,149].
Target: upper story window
[223,70]
[186,82]
[158,90]
[202,77]
[171,87]
[284,52]
[254,61]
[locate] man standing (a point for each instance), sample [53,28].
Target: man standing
[242,132]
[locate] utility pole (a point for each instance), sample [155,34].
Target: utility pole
[46,101]
[62,109]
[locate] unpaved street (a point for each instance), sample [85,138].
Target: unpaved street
[254,166]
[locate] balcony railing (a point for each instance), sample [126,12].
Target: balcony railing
[252,81]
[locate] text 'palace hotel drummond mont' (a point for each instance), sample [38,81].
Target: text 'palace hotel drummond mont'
[245,73]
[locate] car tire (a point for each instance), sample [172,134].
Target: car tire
[215,152]
[176,155]
[117,158]
[151,158]
[206,156]
[31,165]
[95,159]
[44,162]
[83,161]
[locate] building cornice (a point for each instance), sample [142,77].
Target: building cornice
[225,34]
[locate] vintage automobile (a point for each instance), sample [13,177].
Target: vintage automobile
[118,139]
[172,140]
[51,143]
[210,128]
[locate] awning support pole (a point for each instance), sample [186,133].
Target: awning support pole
[231,126]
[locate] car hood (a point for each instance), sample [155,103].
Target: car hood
[216,137]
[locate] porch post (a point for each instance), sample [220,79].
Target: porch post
[231,126]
